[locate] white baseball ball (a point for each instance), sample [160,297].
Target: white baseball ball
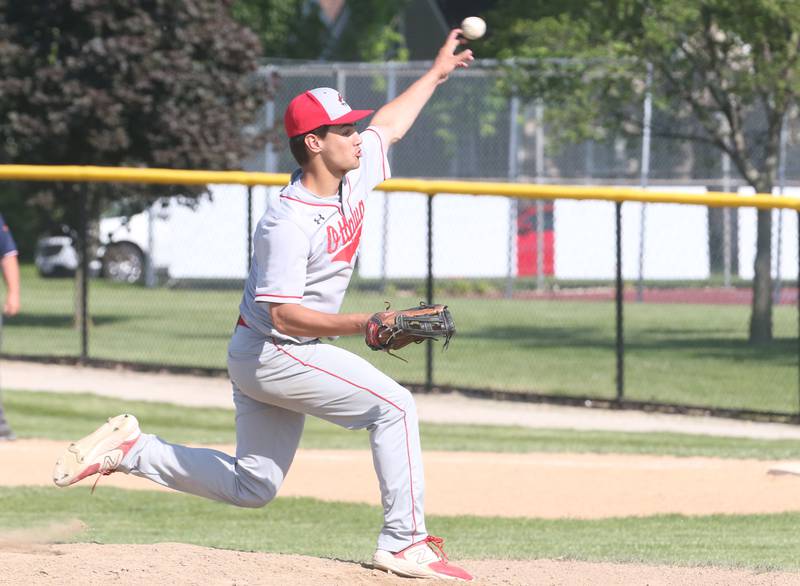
[473,27]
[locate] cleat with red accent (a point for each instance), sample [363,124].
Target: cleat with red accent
[100,452]
[424,559]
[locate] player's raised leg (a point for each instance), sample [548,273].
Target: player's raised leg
[266,441]
[267,438]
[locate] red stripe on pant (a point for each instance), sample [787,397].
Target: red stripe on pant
[373,393]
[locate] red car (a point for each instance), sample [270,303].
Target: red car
[527,241]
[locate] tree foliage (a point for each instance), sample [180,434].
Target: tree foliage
[727,73]
[288,29]
[160,83]
[373,32]
[368,30]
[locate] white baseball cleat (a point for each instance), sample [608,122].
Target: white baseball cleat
[99,452]
[424,559]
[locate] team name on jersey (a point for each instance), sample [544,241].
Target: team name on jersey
[343,239]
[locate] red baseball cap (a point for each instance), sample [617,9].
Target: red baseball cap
[319,107]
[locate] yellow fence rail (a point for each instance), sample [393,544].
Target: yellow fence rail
[430,187]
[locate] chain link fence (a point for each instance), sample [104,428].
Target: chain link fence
[531,283]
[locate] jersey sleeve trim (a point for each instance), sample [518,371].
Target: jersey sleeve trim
[11,253]
[280,298]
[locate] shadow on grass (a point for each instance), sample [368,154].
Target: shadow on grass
[34,320]
[781,351]
[537,337]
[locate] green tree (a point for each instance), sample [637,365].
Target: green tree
[730,70]
[163,83]
[159,83]
[370,29]
[373,32]
[290,29]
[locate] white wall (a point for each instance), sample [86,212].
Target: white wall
[675,246]
[584,240]
[470,236]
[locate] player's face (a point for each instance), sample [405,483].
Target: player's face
[342,148]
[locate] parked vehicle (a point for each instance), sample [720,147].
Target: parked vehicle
[122,249]
[56,256]
[118,258]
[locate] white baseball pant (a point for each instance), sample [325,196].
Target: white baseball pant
[274,385]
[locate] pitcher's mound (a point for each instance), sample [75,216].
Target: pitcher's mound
[178,564]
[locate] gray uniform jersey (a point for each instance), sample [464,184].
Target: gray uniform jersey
[305,246]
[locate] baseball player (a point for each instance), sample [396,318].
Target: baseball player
[305,247]
[10,269]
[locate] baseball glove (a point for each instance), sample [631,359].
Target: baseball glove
[392,330]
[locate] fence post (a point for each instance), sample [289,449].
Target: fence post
[539,202]
[645,176]
[513,205]
[619,307]
[249,227]
[150,263]
[429,287]
[429,291]
[341,81]
[83,300]
[776,291]
[391,93]
[726,223]
[270,157]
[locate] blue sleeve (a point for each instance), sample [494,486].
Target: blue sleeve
[7,244]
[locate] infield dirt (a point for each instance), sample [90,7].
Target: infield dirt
[513,485]
[534,485]
[552,486]
[177,563]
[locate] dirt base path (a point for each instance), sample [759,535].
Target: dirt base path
[204,391]
[175,563]
[587,486]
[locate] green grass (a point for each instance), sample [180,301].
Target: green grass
[68,417]
[677,353]
[348,531]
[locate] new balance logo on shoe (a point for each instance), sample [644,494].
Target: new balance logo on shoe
[111,460]
[421,554]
